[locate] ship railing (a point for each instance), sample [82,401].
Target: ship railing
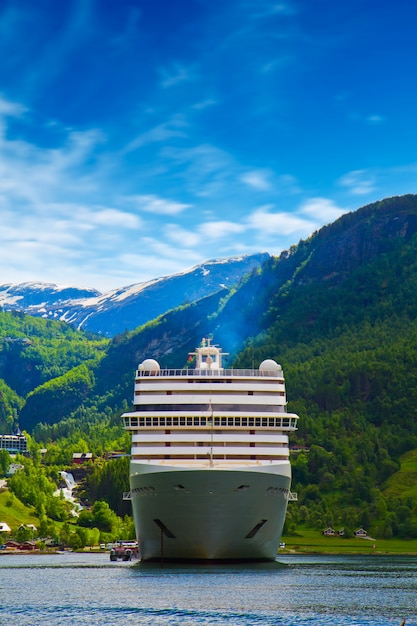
[292,496]
[127,495]
[136,421]
[212,373]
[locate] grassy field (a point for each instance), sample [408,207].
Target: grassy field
[14,513]
[313,542]
[404,482]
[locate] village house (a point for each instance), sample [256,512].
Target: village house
[78,458]
[4,528]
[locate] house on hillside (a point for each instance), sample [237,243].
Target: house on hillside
[31,527]
[78,458]
[4,528]
[360,532]
[14,467]
[329,532]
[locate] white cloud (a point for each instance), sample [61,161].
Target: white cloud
[11,109]
[113,217]
[322,210]
[181,236]
[156,205]
[281,223]
[358,182]
[257,179]
[220,229]
[162,132]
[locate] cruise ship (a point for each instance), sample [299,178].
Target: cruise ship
[210,472]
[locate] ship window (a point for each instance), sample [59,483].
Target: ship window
[242,488]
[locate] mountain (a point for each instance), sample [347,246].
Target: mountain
[339,312]
[129,307]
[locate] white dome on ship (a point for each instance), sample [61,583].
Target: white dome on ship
[150,365]
[269,365]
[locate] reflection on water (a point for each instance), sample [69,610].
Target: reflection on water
[295,590]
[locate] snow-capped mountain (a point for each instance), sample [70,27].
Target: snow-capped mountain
[128,307]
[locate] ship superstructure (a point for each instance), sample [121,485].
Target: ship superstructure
[210,472]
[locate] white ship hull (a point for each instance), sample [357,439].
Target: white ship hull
[209,513]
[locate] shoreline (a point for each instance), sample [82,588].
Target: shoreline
[289,552]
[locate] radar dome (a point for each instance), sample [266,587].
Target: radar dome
[269,365]
[150,365]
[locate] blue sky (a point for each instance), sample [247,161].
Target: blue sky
[139,138]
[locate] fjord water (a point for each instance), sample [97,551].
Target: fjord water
[295,590]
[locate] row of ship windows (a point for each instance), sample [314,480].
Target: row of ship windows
[224,392]
[270,422]
[230,408]
[217,457]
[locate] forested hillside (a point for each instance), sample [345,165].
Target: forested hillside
[344,327]
[338,311]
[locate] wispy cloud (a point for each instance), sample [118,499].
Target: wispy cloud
[219,229]
[257,179]
[359,182]
[11,109]
[278,223]
[375,119]
[322,210]
[182,236]
[204,168]
[170,129]
[156,205]
[175,74]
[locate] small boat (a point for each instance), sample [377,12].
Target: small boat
[123,552]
